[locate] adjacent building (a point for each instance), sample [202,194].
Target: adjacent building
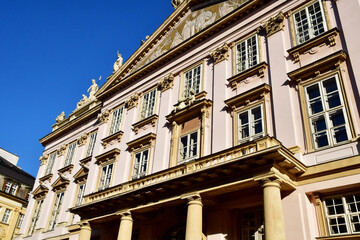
[15,186]
[235,119]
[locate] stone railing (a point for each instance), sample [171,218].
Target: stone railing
[210,161]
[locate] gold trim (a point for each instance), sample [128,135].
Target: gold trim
[220,54]
[321,216]
[258,69]
[107,157]
[166,83]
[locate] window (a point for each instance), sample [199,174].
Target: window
[21,219]
[327,114]
[56,210]
[70,154]
[246,54]
[343,214]
[189,147]
[50,163]
[116,120]
[148,104]
[11,187]
[35,217]
[140,164]
[91,145]
[7,186]
[105,178]
[250,124]
[309,22]
[192,81]
[6,216]
[252,225]
[80,195]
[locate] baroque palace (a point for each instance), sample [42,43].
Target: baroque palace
[234,120]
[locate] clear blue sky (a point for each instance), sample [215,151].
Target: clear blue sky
[49,52]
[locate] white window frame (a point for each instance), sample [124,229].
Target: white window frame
[248,54]
[56,210]
[346,215]
[326,113]
[36,216]
[70,154]
[21,220]
[310,30]
[50,163]
[8,185]
[80,194]
[91,144]
[106,172]
[251,124]
[192,81]
[116,120]
[6,217]
[141,163]
[189,147]
[14,189]
[148,104]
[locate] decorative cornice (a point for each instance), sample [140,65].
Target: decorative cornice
[149,120]
[60,184]
[166,83]
[107,156]
[65,169]
[274,24]
[116,136]
[40,191]
[220,54]
[258,70]
[132,101]
[142,141]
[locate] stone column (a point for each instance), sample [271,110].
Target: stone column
[85,231]
[273,213]
[126,224]
[194,219]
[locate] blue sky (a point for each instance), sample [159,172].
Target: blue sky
[50,51]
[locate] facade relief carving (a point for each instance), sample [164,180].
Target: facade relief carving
[104,116]
[43,159]
[274,24]
[132,101]
[220,53]
[61,150]
[82,139]
[166,83]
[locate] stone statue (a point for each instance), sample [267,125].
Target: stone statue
[118,63]
[176,3]
[82,101]
[60,118]
[93,89]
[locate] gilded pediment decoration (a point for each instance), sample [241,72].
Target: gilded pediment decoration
[82,139]
[274,24]
[43,159]
[104,116]
[40,191]
[220,53]
[132,101]
[60,184]
[61,150]
[166,83]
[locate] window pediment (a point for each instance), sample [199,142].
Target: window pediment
[40,191]
[108,156]
[66,169]
[258,69]
[113,137]
[60,184]
[47,177]
[81,175]
[142,141]
[149,120]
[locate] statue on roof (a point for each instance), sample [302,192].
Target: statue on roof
[176,3]
[93,89]
[82,101]
[118,63]
[60,118]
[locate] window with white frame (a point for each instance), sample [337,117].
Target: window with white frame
[14,189]
[7,187]
[140,163]
[252,225]
[50,163]
[327,114]
[148,104]
[56,210]
[21,220]
[11,187]
[189,147]
[80,194]
[106,175]
[35,217]
[246,54]
[91,144]
[70,154]
[343,214]
[250,124]
[192,81]
[116,120]
[6,216]
[309,22]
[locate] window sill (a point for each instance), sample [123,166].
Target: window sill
[258,69]
[342,237]
[116,136]
[328,36]
[46,177]
[152,119]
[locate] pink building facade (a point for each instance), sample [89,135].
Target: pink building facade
[235,119]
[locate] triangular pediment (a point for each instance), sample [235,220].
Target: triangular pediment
[40,191]
[60,184]
[81,175]
[185,23]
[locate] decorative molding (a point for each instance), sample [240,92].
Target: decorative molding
[40,192]
[82,139]
[103,117]
[66,169]
[116,136]
[258,69]
[149,120]
[166,83]
[132,101]
[220,54]
[81,175]
[46,177]
[176,3]
[43,159]
[109,156]
[60,184]
[274,24]
[329,36]
[61,150]
[142,141]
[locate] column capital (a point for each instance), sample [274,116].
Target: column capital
[271,182]
[194,198]
[125,215]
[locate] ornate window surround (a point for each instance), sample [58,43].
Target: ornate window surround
[117,135]
[202,77]
[105,159]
